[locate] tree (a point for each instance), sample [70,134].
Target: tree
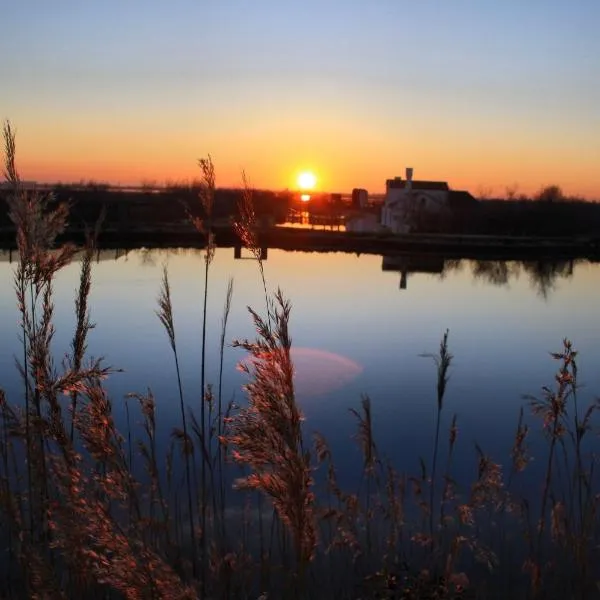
[550,193]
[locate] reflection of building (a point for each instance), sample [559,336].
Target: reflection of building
[306,219]
[408,202]
[412,263]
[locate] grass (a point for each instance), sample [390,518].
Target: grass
[90,511]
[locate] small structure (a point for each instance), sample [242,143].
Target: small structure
[363,223]
[360,198]
[335,199]
[408,202]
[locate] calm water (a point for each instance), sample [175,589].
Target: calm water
[355,331]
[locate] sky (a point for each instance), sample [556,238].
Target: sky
[479,93]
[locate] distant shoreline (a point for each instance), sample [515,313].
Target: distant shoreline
[450,245]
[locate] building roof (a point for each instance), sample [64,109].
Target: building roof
[461,199]
[398,183]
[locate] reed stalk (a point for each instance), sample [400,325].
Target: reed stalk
[442,361]
[207,197]
[266,436]
[84,325]
[220,415]
[165,315]
[246,228]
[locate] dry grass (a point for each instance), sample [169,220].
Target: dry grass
[90,512]
[267,435]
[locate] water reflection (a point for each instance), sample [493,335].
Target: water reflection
[543,275]
[353,332]
[319,372]
[304,219]
[412,263]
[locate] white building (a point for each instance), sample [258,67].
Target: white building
[406,200]
[364,223]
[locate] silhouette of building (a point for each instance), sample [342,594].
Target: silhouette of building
[408,200]
[360,198]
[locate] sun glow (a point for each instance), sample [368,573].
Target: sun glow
[307,180]
[305,197]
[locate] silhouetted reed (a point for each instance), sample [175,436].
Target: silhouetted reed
[442,362]
[267,435]
[246,228]
[207,195]
[165,314]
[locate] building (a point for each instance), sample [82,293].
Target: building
[360,198]
[410,203]
[363,223]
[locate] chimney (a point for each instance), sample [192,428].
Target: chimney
[409,178]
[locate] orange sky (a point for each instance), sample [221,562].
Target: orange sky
[126,92]
[344,156]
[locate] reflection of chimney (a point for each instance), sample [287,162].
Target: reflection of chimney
[409,176]
[403,277]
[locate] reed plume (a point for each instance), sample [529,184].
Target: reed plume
[442,362]
[165,315]
[266,436]
[207,199]
[246,228]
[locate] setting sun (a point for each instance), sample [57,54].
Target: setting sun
[307,180]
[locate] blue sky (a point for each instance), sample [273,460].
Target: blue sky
[474,92]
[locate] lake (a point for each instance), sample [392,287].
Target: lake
[359,325]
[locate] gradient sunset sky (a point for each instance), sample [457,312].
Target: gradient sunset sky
[483,94]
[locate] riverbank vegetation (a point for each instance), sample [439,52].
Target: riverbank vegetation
[547,214]
[243,502]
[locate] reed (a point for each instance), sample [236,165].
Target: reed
[442,362]
[207,195]
[165,315]
[221,415]
[267,437]
[246,228]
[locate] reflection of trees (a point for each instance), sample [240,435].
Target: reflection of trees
[452,265]
[147,257]
[496,272]
[543,275]
[150,257]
